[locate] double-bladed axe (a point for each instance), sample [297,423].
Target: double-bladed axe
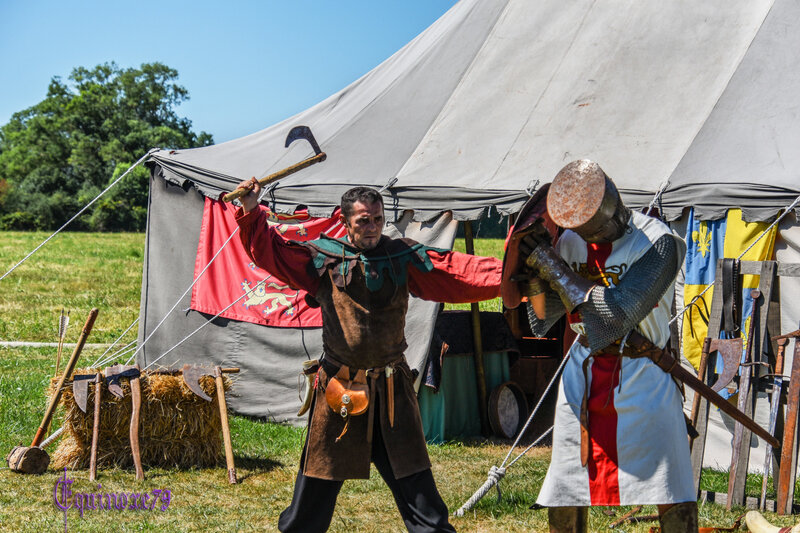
[191,376]
[298,132]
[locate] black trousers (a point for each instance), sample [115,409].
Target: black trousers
[416,496]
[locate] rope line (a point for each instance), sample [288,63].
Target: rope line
[97,362]
[496,473]
[786,211]
[657,196]
[68,222]
[535,409]
[125,350]
[207,322]
[235,231]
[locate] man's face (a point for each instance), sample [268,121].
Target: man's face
[364,225]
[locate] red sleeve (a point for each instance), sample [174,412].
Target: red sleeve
[457,278]
[283,259]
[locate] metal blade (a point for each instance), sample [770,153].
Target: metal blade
[303,132]
[80,389]
[731,352]
[115,373]
[192,375]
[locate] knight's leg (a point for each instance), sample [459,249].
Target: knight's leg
[678,518]
[568,519]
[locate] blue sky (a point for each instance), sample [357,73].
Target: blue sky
[246,64]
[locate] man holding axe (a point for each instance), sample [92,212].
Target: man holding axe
[364,407]
[620,435]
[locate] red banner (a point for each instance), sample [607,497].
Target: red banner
[269,301]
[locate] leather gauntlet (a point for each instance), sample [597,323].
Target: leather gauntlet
[570,287]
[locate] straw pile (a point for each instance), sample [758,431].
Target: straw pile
[177,428]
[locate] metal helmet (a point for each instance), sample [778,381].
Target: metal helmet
[584,199]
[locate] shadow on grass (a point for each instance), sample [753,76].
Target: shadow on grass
[254,465]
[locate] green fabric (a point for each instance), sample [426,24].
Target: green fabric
[453,411]
[374,266]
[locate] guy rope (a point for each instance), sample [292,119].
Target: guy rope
[496,473]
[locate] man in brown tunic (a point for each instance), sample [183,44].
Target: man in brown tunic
[362,284]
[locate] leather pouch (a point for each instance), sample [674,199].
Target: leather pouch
[348,397]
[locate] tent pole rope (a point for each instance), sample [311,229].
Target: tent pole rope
[496,473]
[535,409]
[99,359]
[124,350]
[786,211]
[166,315]
[207,322]
[68,222]
[657,196]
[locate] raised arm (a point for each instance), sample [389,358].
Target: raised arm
[457,278]
[283,259]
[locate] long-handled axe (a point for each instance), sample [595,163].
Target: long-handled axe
[32,459]
[113,375]
[80,391]
[191,376]
[298,132]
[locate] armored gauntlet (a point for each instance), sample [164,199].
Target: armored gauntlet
[570,287]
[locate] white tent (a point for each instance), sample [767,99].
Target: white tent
[698,99]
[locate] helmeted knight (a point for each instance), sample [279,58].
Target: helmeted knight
[620,436]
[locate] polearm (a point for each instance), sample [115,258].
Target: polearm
[298,132]
[666,362]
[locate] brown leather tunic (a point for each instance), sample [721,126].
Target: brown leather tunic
[364,328]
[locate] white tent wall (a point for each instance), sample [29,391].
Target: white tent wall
[496,96]
[746,154]
[270,358]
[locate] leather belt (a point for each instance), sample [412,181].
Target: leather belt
[373,374]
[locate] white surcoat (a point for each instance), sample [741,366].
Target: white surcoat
[640,450]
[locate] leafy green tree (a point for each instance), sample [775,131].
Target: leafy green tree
[60,153]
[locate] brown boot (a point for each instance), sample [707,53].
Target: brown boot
[680,518]
[567,519]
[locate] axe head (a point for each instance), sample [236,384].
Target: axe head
[303,132]
[115,373]
[730,350]
[80,389]
[192,375]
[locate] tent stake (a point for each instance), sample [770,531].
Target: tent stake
[480,373]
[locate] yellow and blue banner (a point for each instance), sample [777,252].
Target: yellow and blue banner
[707,241]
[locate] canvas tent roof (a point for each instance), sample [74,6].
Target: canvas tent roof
[497,95]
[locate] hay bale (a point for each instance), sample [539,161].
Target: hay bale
[177,428]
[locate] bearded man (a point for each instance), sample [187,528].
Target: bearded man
[620,435]
[362,284]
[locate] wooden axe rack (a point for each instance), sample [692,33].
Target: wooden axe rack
[763,349]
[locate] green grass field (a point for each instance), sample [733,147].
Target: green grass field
[79,271]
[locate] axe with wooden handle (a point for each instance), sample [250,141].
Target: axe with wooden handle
[113,375]
[298,132]
[191,376]
[98,388]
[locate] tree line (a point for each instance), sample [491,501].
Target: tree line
[57,155]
